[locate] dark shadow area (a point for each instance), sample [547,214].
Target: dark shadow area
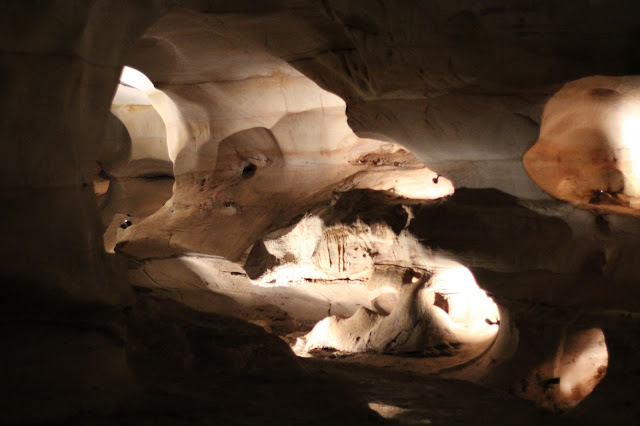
[249,170]
[205,368]
[412,398]
[490,226]
[114,150]
[259,260]
[370,207]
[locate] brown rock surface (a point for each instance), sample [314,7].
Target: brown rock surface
[271,140]
[587,150]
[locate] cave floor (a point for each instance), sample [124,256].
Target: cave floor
[401,389]
[410,398]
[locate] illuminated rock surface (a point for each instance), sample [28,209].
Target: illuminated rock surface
[587,152]
[345,177]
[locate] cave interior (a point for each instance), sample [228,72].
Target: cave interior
[320,212]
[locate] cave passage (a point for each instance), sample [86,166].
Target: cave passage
[320,212]
[340,269]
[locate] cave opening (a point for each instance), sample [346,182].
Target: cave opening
[135,177]
[249,170]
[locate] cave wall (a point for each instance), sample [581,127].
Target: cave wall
[462,85]
[59,78]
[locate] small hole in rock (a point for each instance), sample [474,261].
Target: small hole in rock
[249,170]
[442,302]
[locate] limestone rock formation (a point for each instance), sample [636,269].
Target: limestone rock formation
[587,150]
[423,322]
[186,184]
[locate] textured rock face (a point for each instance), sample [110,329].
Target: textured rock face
[253,126]
[587,153]
[245,109]
[148,154]
[461,84]
[133,157]
[424,321]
